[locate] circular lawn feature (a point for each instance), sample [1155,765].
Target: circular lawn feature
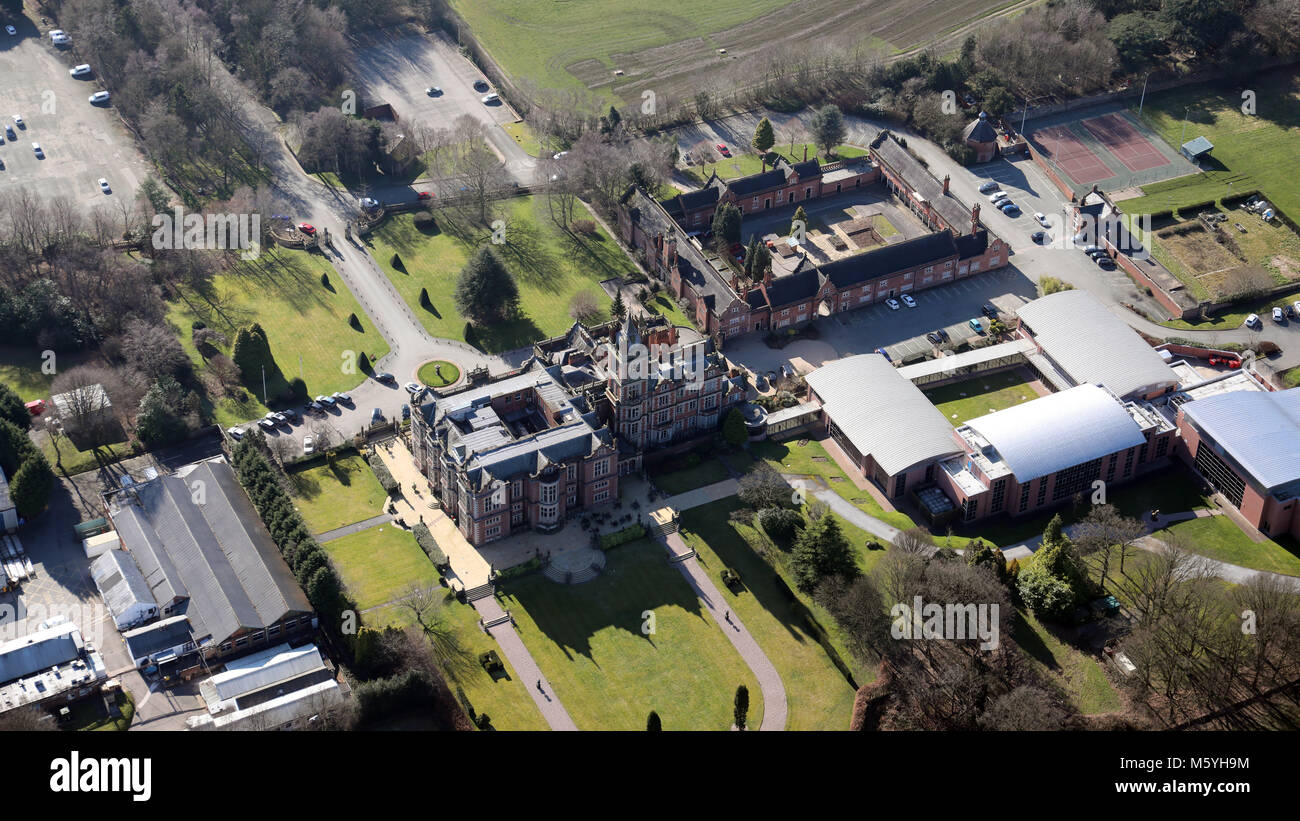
[438,374]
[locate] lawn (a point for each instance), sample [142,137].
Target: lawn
[523,134]
[307,324]
[380,564]
[1248,151]
[818,695]
[1236,316]
[672,479]
[88,715]
[743,161]
[961,402]
[23,369]
[549,264]
[664,305]
[588,640]
[1077,673]
[438,374]
[1219,538]
[331,496]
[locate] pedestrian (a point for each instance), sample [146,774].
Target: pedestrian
[728,617]
[539,686]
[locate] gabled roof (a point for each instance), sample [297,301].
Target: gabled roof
[1058,431]
[972,245]
[882,413]
[890,259]
[120,582]
[38,651]
[1260,431]
[1198,146]
[218,553]
[956,213]
[807,169]
[755,183]
[980,131]
[691,200]
[794,287]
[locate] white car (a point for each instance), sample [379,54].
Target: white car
[18,121]
[99,97]
[489,99]
[1042,219]
[413,387]
[1277,315]
[40,154]
[908,301]
[561,155]
[103,186]
[82,70]
[11,31]
[308,445]
[235,433]
[1252,321]
[995,198]
[433,91]
[1296,306]
[892,303]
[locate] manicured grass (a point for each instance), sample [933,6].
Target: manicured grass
[523,134]
[67,459]
[588,640]
[672,481]
[380,564]
[1236,317]
[549,264]
[1291,377]
[438,374]
[743,162]
[664,305]
[818,695]
[1248,151]
[1219,538]
[86,715]
[961,402]
[21,369]
[331,496]
[1077,673]
[883,226]
[282,291]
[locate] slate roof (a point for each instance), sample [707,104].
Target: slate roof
[218,554]
[972,245]
[807,169]
[766,181]
[953,211]
[980,131]
[890,259]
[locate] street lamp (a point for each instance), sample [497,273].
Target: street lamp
[1182,137]
[1144,95]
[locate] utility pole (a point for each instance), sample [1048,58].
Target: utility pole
[1183,136]
[1144,95]
[263,384]
[1023,115]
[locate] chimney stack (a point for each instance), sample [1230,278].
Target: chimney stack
[975,218]
[767,277]
[946,178]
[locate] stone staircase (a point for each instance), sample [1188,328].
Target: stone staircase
[502,619]
[480,592]
[675,558]
[661,529]
[570,572]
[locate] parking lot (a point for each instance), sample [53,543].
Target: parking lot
[900,332]
[81,142]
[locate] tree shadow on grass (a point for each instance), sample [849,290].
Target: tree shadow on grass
[1032,643]
[505,335]
[528,258]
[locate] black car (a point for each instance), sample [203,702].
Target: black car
[942,334]
[480,85]
[1106,263]
[989,311]
[386,377]
[934,338]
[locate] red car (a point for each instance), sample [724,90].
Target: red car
[307,228]
[423,195]
[723,150]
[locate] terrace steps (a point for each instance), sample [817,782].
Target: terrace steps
[480,592]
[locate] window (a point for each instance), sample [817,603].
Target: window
[999,495]
[1162,446]
[600,496]
[547,511]
[1110,469]
[1128,463]
[1075,479]
[548,494]
[900,485]
[516,488]
[492,532]
[1024,497]
[1042,490]
[600,468]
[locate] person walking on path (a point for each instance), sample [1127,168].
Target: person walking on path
[539,686]
[727,616]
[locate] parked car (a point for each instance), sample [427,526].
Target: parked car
[1277,315]
[1252,321]
[892,303]
[59,38]
[480,85]
[934,338]
[369,203]
[385,377]
[786,371]
[18,121]
[989,311]
[290,414]
[490,99]
[9,130]
[908,301]
[1106,263]
[1042,219]
[82,70]
[976,326]
[412,387]
[40,153]
[988,187]
[103,186]
[942,334]
[314,407]
[1011,209]
[342,397]
[998,197]
[559,155]
[376,415]
[1038,236]
[266,424]
[307,228]
[1091,249]
[235,433]
[423,195]
[11,31]
[326,400]
[308,445]
[406,412]
[433,91]
[99,97]
[1296,305]
[723,150]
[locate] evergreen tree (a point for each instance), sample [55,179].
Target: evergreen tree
[652,723]
[162,413]
[726,225]
[252,352]
[30,488]
[827,127]
[734,429]
[486,291]
[800,218]
[617,309]
[764,137]
[821,552]
[741,713]
[13,409]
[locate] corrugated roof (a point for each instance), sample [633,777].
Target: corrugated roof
[882,413]
[259,670]
[120,582]
[1260,431]
[1058,431]
[1091,344]
[218,552]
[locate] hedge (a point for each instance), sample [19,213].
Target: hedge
[530,566]
[385,477]
[425,539]
[627,534]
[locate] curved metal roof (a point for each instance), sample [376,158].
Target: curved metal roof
[1261,431]
[1092,345]
[882,413]
[1058,431]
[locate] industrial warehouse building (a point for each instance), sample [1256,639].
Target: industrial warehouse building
[268,690]
[51,666]
[882,421]
[123,588]
[1247,446]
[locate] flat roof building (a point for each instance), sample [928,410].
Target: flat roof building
[268,690]
[1084,343]
[885,424]
[1246,444]
[52,665]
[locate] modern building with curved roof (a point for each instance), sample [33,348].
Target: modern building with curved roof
[882,421]
[1045,451]
[1247,445]
[1082,342]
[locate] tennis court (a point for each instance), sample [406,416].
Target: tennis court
[1060,145]
[1125,142]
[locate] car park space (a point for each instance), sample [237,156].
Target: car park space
[81,142]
